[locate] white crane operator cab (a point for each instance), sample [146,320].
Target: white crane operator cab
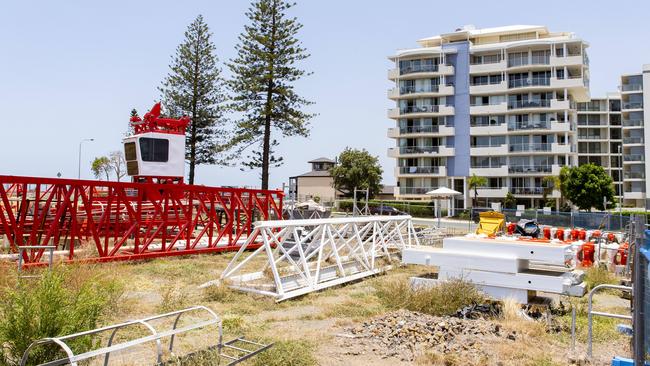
[156,150]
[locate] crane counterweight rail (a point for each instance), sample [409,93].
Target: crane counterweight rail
[127,221]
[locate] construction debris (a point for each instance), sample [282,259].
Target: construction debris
[406,334]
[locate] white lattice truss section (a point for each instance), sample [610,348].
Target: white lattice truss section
[301,256]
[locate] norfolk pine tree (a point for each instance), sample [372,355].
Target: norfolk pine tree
[194,88]
[264,72]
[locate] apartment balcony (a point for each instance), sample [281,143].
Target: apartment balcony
[482,130]
[529,104]
[530,169]
[631,88]
[419,151]
[632,106]
[529,62]
[592,137]
[533,191]
[501,171]
[418,171]
[489,150]
[492,192]
[501,87]
[421,71]
[566,61]
[560,126]
[570,82]
[561,148]
[487,68]
[633,158]
[414,191]
[528,125]
[633,140]
[420,92]
[529,83]
[421,111]
[634,195]
[555,169]
[488,108]
[560,104]
[632,123]
[429,130]
[530,147]
[634,175]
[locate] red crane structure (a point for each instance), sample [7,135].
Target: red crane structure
[155,215]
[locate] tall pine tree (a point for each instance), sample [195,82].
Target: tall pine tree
[264,72]
[194,88]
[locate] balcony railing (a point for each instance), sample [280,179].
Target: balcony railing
[592,123]
[526,190]
[514,62]
[488,145]
[485,123]
[487,166]
[415,190]
[530,125]
[540,60]
[419,68]
[488,82]
[529,147]
[529,169]
[421,89]
[518,104]
[520,83]
[632,140]
[420,129]
[631,87]
[419,170]
[420,109]
[634,157]
[632,122]
[419,149]
[633,105]
[634,175]
[591,137]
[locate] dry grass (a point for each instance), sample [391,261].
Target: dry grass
[445,298]
[598,275]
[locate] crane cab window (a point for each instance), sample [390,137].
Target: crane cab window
[129,151]
[154,150]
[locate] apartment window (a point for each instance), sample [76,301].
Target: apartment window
[517,59]
[541,57]
[486,59]
[559,73]
[559,51]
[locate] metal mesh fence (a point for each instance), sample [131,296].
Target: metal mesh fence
[642,292]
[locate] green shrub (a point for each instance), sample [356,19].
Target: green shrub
[445,298]
[62,302]
[173,299]
[287,353]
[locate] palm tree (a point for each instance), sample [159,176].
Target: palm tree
[473,183]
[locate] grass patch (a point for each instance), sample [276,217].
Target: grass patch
[67,300]
[445,298]
[173,299]
[220,293]
[598,275]
[287,353]
[233,324]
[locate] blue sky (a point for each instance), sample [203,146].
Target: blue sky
[74,69]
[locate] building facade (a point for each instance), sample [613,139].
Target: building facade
[600,136]
[499,103]
[635,169]
[317,184]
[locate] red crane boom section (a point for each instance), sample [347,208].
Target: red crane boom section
[89,220]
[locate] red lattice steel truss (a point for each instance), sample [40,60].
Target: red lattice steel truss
[103,221]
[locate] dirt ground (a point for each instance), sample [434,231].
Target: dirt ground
[322,318]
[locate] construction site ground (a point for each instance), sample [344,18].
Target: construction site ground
[326,320]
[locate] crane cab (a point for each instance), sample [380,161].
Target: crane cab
[156,150]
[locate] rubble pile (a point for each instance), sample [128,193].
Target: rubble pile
[407,334]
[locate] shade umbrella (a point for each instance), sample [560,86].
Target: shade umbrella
[442,193]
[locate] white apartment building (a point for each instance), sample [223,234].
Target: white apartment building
[497,102]
[600,136]
[635,170]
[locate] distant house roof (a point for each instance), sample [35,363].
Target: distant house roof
[386,189]
[315,173]
[322,160]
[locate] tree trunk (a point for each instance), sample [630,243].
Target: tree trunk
[266,144]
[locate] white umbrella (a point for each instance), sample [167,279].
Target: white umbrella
[442,192]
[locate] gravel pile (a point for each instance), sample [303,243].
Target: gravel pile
[406,334]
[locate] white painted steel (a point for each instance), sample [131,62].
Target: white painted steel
[301,256]
[540,252]
[496,262]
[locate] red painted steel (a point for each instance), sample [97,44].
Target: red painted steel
[153,122]
[102,221]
